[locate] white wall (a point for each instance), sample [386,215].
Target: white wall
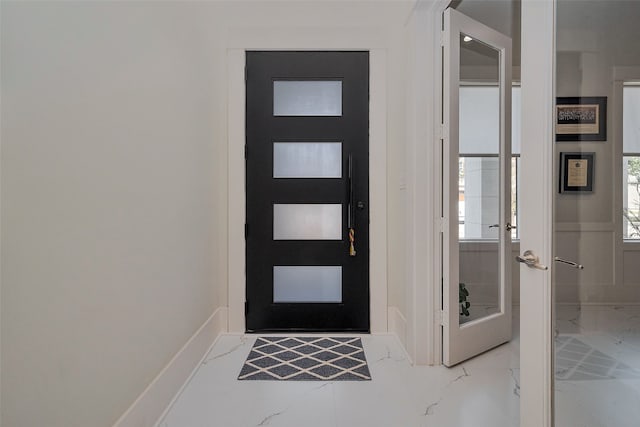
[114,186]
[110,122]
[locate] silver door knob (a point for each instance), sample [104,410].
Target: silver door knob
[569,263]
[531,260]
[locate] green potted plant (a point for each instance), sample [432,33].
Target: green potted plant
[463,293]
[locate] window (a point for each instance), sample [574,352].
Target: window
[631,161]
[478,162]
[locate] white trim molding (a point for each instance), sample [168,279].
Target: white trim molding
[157,398]
[626,74]
[236,194]
[378,190]
[423,337]
[398,327]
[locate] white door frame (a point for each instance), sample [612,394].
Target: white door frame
[424,187]
[236,281]
[536,221]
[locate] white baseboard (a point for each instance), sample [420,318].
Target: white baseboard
[151,405]
[398,326]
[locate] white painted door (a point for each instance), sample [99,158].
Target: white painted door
[477,167]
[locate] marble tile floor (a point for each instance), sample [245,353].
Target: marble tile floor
[483,391]
[598,352]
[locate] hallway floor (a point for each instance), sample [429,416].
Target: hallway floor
[597,366]
[597,384]
[482,392]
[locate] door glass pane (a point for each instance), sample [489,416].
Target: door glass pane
[479,180]
[515,196]
[307,284]
[597,308]
[307,160]
[480,109]
[307,98]
[480,113]
[307,221]
[516,121]
[478,198]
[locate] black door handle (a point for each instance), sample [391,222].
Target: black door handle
[351,213]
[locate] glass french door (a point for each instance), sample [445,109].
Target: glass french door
[476,188]
[580,349]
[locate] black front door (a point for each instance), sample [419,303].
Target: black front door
[307,178]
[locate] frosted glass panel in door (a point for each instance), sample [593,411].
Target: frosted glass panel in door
[307,98]
[307,160]
[307,221]
[479,179]
[307,284]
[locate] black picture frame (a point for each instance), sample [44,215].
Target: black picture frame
[576,172]
[581,118]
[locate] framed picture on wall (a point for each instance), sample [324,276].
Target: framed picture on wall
[576,172]
[581,118]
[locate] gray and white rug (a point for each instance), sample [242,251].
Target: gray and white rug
[306,359]
[578,361]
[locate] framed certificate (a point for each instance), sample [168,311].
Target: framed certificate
[576,172]
[581,118]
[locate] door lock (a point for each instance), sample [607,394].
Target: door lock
[360,205]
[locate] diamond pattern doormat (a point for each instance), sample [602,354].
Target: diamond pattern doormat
[578,361]
[306,359]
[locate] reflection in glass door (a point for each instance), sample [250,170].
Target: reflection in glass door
[597,307]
